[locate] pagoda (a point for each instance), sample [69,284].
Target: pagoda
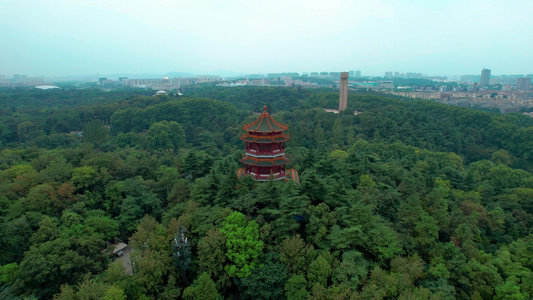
[264,155]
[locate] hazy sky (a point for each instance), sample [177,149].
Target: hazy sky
[430,36]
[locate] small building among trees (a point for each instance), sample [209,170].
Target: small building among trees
[265,150]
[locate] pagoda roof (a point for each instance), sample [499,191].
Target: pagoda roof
[292,174]
[264,162]
[265,123]
[282,137]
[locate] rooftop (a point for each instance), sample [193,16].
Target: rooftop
[265,162]
[265,124]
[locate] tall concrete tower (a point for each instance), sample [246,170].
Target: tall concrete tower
[343,98]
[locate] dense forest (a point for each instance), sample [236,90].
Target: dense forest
[404,200]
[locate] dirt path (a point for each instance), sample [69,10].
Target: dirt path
[125,260]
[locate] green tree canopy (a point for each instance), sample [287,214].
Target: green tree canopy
[165,136]
[242,245]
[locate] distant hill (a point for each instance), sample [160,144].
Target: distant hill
[174,74]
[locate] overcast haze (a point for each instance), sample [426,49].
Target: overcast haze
[203,37]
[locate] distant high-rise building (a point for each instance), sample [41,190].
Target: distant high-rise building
[396,74]
[523,83]
[485,77]
[351,73]
[388,74]
[414,75]
[357,73]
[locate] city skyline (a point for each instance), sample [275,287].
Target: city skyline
[357,74]
[207,37]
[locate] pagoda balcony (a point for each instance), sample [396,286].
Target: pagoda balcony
[266,177]
[266,153]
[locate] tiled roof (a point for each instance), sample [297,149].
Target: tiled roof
[282,137]
[292,174]
[265,123]
[264,162]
